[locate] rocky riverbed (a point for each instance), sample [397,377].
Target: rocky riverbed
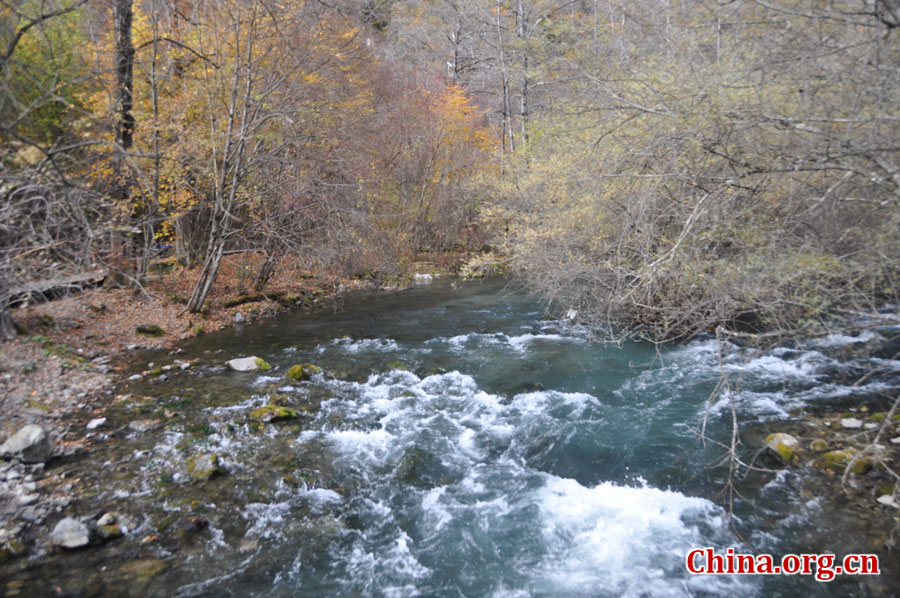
[171,467]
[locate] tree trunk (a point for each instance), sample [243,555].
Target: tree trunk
[125,123]
[122,15]
[523,33]
[7,326]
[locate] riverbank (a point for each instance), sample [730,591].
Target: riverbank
[59,374]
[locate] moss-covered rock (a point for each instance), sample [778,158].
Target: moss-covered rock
[302,371]
[109,532]
[781,447]
[203,467]
[397,365]
[838,458]
[151,330]
[841,458]
[272,413]
[818,445]
[248,364]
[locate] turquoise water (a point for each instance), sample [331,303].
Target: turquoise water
[461,444]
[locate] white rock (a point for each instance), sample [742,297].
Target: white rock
[851,423]
[895,440]
[106,519]
[244,364]
[70,533]
[134,378]
[870,426]
[26,499]
[422,278]
[96,423]
[31,444]
[888,501]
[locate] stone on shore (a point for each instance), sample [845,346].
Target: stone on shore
[70,533]
[31,444]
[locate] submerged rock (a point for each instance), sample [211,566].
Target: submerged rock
[272,413]
[781,446]
[70,533]
[143,568]
[303,371]
[31,444]
[841,458]
[249,364]
[143,425]
[204,467]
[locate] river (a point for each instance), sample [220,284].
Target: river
[459,444]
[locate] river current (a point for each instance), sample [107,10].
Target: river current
[462,444]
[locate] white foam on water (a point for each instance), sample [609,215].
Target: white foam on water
[625,541]
[608,540]
[542,401]
[522,342]
[266,379]
[393,572]
[366,345]
[840,340]
[268,519]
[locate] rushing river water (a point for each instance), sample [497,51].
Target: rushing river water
[460,445]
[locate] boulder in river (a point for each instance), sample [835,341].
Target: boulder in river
[303,371]
[204,467]
[249,364]
[31,444]
[70,533]
[781,446]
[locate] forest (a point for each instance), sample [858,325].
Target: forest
[666,167]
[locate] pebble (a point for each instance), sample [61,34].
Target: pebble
[134,378]
[870,426]
[895,440]
[888,501]
[96,423]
